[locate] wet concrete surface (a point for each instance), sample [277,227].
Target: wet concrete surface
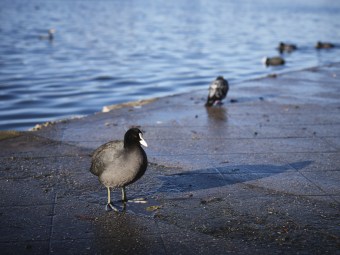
[257,175]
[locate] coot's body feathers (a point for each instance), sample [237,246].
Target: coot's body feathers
[218,90]
[117,166]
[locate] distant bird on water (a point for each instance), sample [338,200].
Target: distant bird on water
[273,61]
[120,163]
[285,47]
[218,90]
[324,45]
[49,36]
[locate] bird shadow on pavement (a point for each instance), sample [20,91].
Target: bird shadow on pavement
[222,176]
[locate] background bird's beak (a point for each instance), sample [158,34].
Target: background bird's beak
[142,141]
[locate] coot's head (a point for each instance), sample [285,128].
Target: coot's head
[134,137]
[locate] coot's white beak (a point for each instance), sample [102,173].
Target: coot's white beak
[142,141]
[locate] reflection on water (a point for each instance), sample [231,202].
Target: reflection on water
[107,52]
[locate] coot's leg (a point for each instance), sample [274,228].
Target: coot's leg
[124,200]
[110,206]
[135,200]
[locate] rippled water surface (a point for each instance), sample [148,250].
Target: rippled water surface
[106,52]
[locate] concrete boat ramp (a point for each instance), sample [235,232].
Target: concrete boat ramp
[258,175]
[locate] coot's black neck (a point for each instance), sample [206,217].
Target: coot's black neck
[131,145]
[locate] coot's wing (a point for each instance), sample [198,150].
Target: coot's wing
[105,155]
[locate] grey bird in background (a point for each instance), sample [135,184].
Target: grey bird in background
[218,90]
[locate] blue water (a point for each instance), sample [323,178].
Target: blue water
[106,52]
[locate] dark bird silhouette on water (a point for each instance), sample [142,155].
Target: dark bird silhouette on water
[273,61]
[120,163]
[218,90]
[285,47]
[324,45]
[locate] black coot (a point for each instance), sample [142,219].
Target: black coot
[118,164]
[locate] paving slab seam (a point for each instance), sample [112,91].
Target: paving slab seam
[331,144]
[245,153]
[25,241]
[55,156]
[52,222]
[335,198]
[91,238]
[161,236]
[25,205]
[287,138]
[280,193]
[315,184]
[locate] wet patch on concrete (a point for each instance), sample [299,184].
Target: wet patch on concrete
[8,134]
[136,104]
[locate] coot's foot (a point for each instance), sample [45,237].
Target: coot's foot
[139,200]
[110,207]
